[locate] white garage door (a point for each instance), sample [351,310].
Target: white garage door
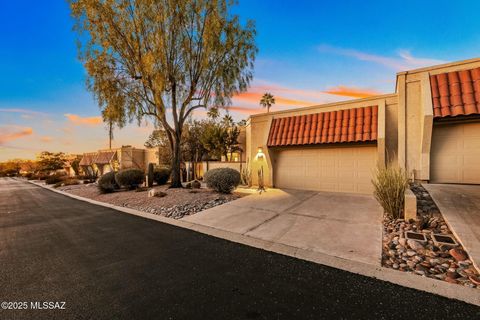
[339,169]
[455,154]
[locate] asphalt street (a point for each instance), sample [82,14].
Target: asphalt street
[104,264]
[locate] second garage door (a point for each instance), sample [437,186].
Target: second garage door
[339,169]
[455,154]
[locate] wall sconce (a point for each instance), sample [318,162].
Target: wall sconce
[260,155]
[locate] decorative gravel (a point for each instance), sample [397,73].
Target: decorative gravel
[176,204]
[445,263]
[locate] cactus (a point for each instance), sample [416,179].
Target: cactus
[150,175]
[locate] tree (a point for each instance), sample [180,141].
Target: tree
[49,161]
[220,138]
[267,101]
[193,148]
[149,58]
[158,139]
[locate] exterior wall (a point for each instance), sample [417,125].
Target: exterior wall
[415,116]
[221,164]
[150,156]
[258,128]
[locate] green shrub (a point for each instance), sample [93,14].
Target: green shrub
[223,180]
[55,178]
[130,178]
[161,176]
[107,183]
[389,189]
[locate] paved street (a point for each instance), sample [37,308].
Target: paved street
[110,265]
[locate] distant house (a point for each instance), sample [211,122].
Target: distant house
[126,157]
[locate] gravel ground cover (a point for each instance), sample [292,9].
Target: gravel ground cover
[429,259]
[176,203]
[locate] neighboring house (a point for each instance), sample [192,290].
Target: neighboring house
[430,126]
[68,169]
[126,157]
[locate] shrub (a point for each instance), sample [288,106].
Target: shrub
[150,175]
[223,180]
[66,182]
[389,189]
[161,176]
[130,178]
[107,183]
[54,178]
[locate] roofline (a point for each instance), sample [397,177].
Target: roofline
[439,66]
[331,104]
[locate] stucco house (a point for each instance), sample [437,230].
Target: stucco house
[430,126]
[125,157]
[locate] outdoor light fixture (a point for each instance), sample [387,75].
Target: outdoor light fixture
[260,154]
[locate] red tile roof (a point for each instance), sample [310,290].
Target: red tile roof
[456,93]
[87,159]
[351,125]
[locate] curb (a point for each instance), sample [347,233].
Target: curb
[452,291]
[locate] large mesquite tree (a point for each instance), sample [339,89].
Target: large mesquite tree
[162,59]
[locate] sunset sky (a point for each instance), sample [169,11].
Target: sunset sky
[310,52]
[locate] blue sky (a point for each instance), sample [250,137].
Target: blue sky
[310,52]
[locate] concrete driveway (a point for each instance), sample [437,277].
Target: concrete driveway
[460,206]
[344,225]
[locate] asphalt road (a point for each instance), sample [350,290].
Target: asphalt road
[109,265]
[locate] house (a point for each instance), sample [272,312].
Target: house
[430,126]
[126,157]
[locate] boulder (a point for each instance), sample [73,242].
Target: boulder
[458,254]
[156,193]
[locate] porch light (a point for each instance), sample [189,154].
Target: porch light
[260,154]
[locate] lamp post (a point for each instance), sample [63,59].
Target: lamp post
[259,157]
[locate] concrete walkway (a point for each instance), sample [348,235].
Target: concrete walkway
[460,206]
[342,225]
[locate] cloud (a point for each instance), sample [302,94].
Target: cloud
[403,61]
[244,110]
[46,139]
[78,120]
[12,132]
[254,97]
[353,92]
[24,111]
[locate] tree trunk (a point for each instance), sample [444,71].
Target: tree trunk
[176,160]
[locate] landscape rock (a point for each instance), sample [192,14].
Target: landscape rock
[458,254]
[156,193]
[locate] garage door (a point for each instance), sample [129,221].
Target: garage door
[455,154]
[339,169]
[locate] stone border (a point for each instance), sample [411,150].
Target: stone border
[468,295]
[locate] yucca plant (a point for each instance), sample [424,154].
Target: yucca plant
[390,183]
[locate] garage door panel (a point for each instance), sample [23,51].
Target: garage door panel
[455,153]
[341,169]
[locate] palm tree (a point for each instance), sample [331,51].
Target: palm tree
[267,101]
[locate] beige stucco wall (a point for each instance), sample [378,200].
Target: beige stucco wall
[258,128]
[415,116]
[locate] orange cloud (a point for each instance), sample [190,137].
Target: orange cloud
[353,92]
[254,97]
[78,120]
[244,110]
[46,139]
[10,133]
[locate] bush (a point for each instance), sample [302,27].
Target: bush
[54,178]
[107,183]
[161,176]
[389,189]
[223,180]
[66,182]
[130,178]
